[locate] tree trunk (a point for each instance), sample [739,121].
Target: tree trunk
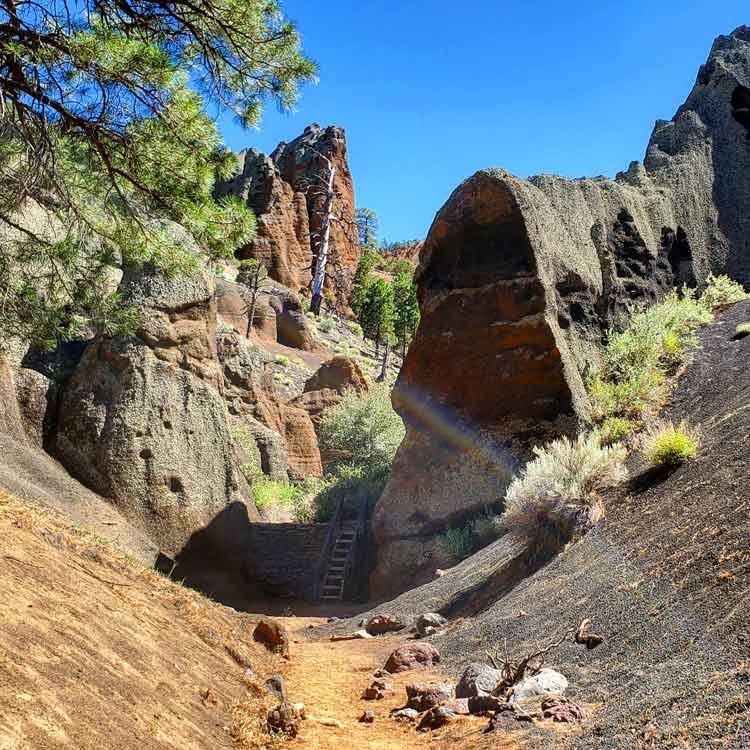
[251,317]
[384,367]
[325,235]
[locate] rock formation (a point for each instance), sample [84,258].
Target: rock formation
[250,395]
[519,281]
[281,190]
[142,421]
[278,317]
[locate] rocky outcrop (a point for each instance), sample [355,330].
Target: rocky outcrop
[280,189]
[250,394]
[519,281]
[142,421]
[278,317]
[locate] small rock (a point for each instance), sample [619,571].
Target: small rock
[368,717]
[275,686]
[381,673]
[546,682]
[376,690]
[483,705]
[273,636]
[435,718]
[404,714]
[284,719]
[429,623]
[558,708]
[423,696]
[380,624]
[477,679]
[332,619]
[503,720]
[459,706]
[412,656]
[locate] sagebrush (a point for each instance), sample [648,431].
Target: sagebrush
[557,495]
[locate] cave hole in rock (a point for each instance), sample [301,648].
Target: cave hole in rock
[146,453]
[741,107]
[175,484]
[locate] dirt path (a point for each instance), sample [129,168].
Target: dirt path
[329,679]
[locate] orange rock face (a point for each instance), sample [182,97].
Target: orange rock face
[284,192]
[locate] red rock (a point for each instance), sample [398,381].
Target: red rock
[412,656]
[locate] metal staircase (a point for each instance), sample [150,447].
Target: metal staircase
[339,562]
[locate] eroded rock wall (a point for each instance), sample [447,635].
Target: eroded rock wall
[519,281]
[284,191]
[142,421]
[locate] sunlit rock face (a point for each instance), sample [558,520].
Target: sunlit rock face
[520,280]
[284,191]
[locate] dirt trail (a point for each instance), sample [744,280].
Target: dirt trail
[329,677]
[99,652]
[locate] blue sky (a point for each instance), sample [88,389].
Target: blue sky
[429,92]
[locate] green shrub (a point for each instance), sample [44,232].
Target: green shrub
[672,445]
[325,323]
[486,527]
[742,330]
[362,429]
[458,543]
[721,291]
[614,429]
[355,485]
[557,495]
[354,327]
[268,492]
[281,360]
[636,361]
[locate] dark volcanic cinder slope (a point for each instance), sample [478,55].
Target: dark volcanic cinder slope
[665,579]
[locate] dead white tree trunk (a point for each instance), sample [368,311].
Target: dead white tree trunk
[325,237]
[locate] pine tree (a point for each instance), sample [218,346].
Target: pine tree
[362,278]
[104,133]
[406,308]
[367,227]
[376,315]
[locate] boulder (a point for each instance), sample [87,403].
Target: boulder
[545,682]
[477,679]
[249,391]
[423,696]
[560,709]
[412,656]
[384,623]
[436,718]
[338,374]
[368,717]
[519,281]
[273,635]
[142,421]
[428,624]
[278,317]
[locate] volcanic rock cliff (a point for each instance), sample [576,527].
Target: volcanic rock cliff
[284,191]
[519,281]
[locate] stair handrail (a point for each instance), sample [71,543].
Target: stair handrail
[322,564]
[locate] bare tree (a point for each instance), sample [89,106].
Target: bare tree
[322,195]
[252,276]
